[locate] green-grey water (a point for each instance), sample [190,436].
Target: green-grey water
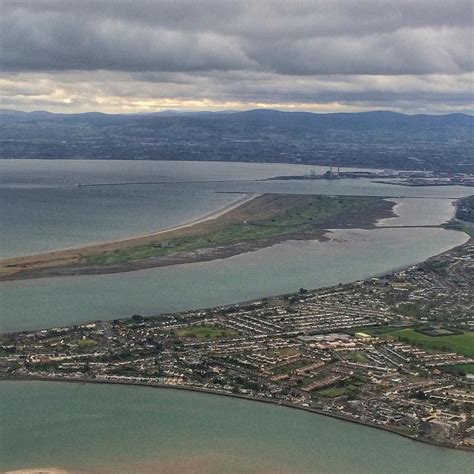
[283,268]
[134,429]
[99,428]
[41,207]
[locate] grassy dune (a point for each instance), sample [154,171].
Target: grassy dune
[256,223]
[266,217]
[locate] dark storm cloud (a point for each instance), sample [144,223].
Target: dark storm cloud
[318,37]
[125,55]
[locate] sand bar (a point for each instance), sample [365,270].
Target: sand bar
[252,222]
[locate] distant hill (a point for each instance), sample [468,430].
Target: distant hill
[371,139]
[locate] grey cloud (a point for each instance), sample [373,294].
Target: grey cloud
[109,89]
[62,44]
[434,52]
[318,37]
[113,54]
[250,17]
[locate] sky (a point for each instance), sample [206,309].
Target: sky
[127,56]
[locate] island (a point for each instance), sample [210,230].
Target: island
[255,222]
[395,352]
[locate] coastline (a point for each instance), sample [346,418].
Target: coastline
[203,218]
[209,254]
[314,411]
[76,261]
[469,240]
[196,389]
[51,255]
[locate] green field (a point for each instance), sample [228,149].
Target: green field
[265,219]
[462,344]
[204,331]
[331,392]
[349,388]
[357,356]
[290,367]
[460,369]
[285,352]
[86,343]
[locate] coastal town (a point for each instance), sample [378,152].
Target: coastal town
[237,237]
[394,351]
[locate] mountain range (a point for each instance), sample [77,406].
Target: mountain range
[378,139]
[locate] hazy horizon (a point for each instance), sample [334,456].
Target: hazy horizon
[204,111]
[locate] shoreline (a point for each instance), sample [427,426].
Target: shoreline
[257,208]
[206,391]
[203,218]
[469,240]
[47,256]
[195,389]
[210,254]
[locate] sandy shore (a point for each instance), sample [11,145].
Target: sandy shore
[245,225]
[204,218]
[68,255]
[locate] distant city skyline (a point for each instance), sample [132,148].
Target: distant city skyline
[319,56]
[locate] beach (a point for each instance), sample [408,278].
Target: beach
[253,222]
